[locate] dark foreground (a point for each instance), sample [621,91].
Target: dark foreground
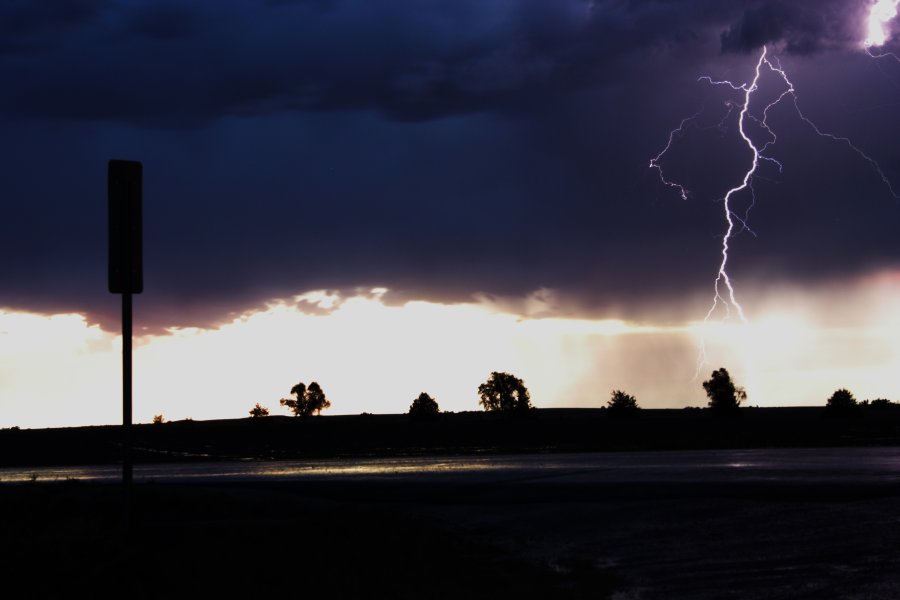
[545,430]
[68,539]
[550,534]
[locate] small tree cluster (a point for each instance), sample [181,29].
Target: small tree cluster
[158,419]
[424,407]
[306,400]
[259,411]
[504,392]
[880,404]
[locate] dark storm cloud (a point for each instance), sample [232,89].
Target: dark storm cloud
[23,17]
[30,26]
[173,62]
[165,21]
[182,63]
[798,26]
[441,149]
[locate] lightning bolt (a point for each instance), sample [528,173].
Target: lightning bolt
[654,162]
[724,291]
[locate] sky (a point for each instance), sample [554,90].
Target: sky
[404,196]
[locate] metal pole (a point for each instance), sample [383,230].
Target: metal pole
[127,468]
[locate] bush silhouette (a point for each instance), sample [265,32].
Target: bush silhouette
[505,393]
[424,407]
[622,405]
[259,411]
[306,400]
[881,404]
[841,402]
[724,396]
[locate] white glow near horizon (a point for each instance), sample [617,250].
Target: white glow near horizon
[55,371]
[882,12]
[372,357]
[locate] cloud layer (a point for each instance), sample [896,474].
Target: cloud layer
[441,149]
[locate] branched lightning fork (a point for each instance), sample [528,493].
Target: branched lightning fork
[724,292]
[654,162]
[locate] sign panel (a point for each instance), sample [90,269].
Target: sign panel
[124,185]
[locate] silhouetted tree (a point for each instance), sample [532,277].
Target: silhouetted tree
[316,401]
[307,400]
[298,403]
[158,419]
[504,392]
[423,407]
[621,404]
[723,396]
[259,411]
[841,401]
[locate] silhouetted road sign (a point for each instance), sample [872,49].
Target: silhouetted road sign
[124,184]
[126,277]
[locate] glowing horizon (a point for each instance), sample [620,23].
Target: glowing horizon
[372,357]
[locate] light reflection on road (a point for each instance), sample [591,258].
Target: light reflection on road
[870,465]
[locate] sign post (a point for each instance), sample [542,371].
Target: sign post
[126,277]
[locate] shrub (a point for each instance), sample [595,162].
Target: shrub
[424,407]
[621,404]
[259,411]
[842,402]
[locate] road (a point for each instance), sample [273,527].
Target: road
[772,524]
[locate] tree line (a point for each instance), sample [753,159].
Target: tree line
[506,393]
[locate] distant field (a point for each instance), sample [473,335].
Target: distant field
[546,430]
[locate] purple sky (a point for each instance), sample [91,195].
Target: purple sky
[439,148]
